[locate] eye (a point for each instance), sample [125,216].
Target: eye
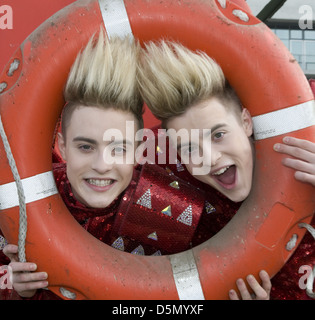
[119,150]
[85,148]
[186,152]
[218,135]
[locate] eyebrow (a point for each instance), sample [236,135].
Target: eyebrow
[125,141]
[218,126]
[92,141]
[214,128]
[88,140]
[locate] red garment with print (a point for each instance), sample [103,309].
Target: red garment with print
[197,211]
[287,283]
[158,213]
[115,224]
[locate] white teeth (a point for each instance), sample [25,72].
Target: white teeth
[99,183]
[217,173]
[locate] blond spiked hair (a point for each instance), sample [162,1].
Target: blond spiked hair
[104,75]
[172,78]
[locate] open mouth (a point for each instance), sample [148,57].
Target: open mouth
[225,176]
[100,183]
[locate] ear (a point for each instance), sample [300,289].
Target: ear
[62,145]
[247,122]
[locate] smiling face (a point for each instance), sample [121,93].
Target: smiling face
[230,157]
[96,182]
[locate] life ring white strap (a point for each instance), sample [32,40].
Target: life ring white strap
[35,188]
[284,121]
[115,18]
[186,276]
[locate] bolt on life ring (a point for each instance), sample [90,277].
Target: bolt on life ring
[269,83]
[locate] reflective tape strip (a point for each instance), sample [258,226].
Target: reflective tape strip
[115,18]
[186,276]
[284,121]
[35,188]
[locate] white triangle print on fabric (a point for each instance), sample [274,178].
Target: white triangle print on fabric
[153,236]
[145,199]
[139,251]
[3,242]
[167,211]
[119,244]
[209,207]
[157,253]
[186,216]
[179,166]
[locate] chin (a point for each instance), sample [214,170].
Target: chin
[102,205]
[239,197]
[98,204]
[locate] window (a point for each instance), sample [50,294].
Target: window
[296,34]
[309,34]
[296,48]
[310,55]
[282,34]
[301,44]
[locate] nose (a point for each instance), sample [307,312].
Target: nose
[205,167]
[102,162]
[206,155]
[215,157]
[211,154]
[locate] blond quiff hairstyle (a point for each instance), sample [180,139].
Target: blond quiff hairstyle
[172,78]
[104,75]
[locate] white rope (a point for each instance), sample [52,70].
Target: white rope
[308,227]
[20,190]
[222,3]
[68,294]
[241,15]
[13,67]
[3,86]
[292,242]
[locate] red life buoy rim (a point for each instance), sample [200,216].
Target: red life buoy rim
[266,78]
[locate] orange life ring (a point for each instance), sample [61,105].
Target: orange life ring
[266,78]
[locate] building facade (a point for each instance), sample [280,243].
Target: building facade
[294,24]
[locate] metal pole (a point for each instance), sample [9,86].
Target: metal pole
[270,9]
